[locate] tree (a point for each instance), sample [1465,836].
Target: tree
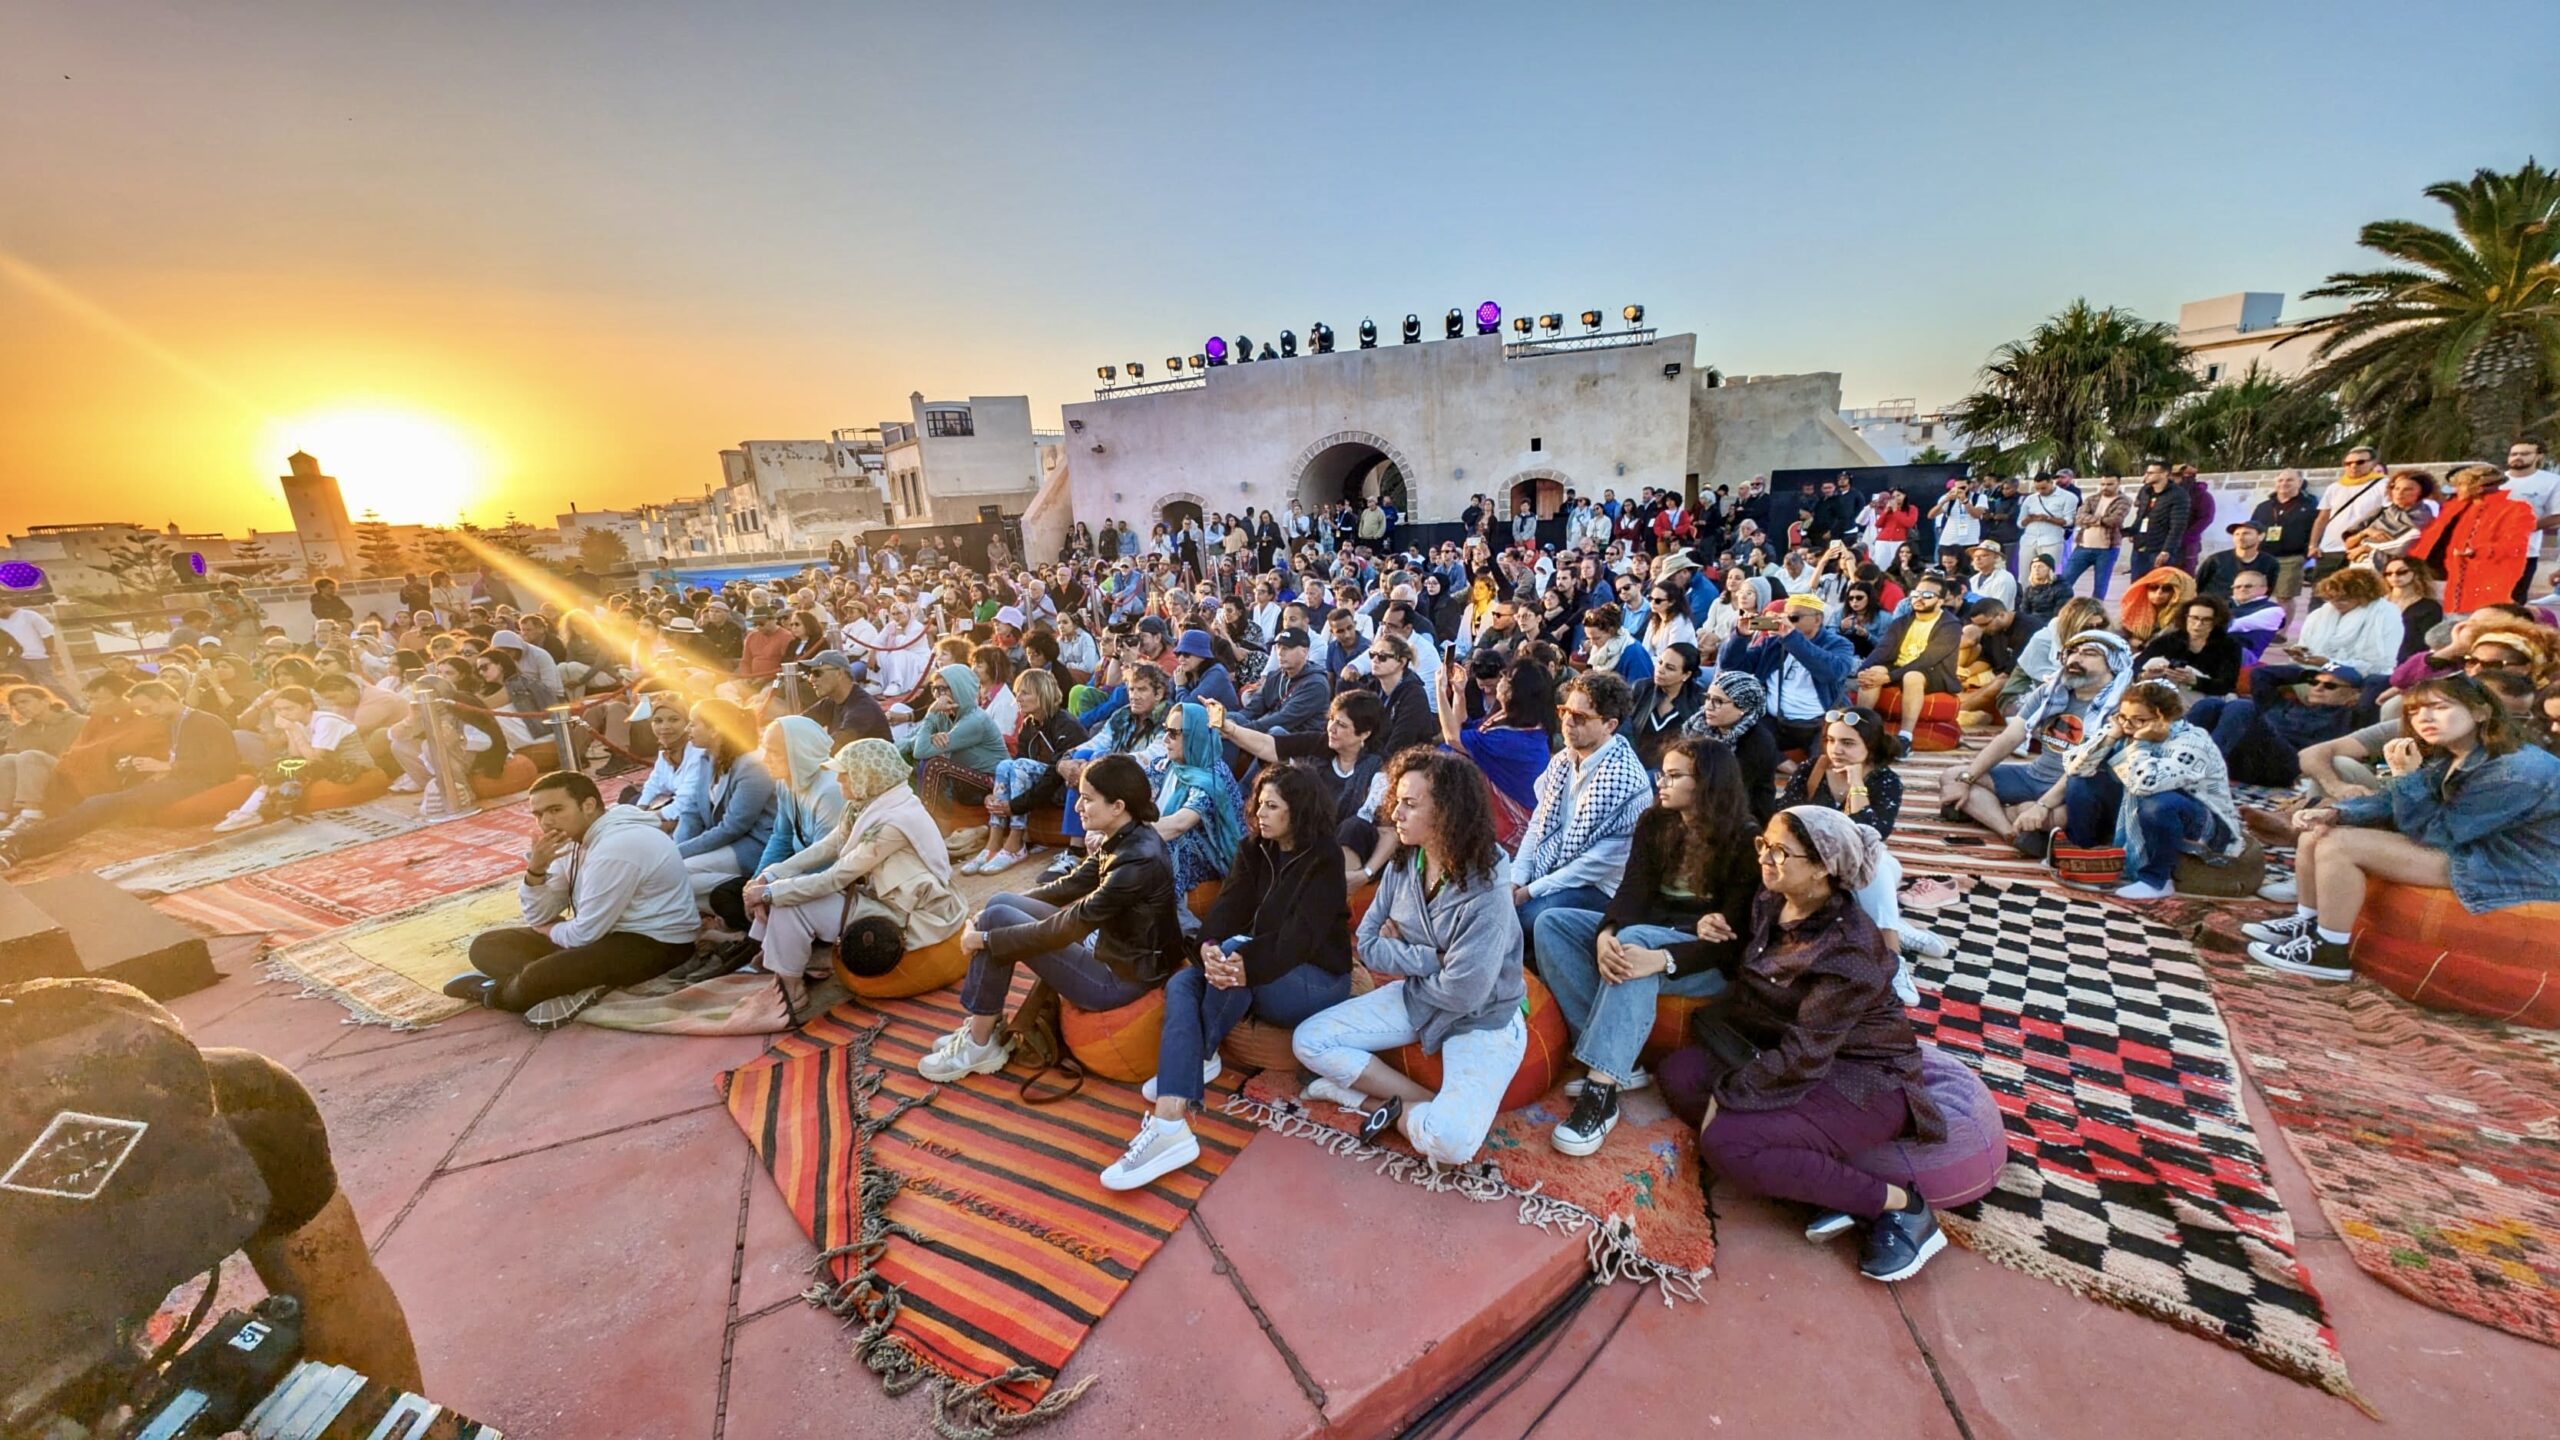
[1929,454]
[379,550]
[2454,350]
[602,550]
[445,551]
[2083,389]
[251,562]
[2257,422]
[142,564]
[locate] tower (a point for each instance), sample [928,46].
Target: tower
[320,524]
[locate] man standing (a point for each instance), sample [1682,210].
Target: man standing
[43,656]
[1574,851]
[2530,482]
[2247,552]
[2160,512]
[1959,519]
[1293,693]
[848,711]
[2285,521]
[2347,506]
[1373,523]
[2045,514]
[605,901]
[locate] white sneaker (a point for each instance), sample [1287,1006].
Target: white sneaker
[1004,860]
[1343,1095]
[2137,890]
[2283,891]
[1161,1147]
[971,867]
[406,785]
[1927,944]
[955,1055]
[238,820]
[1638,1079]
[1210,1070]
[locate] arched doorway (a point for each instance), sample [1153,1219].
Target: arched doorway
[1352,465]
[1543,496]
[1177,513]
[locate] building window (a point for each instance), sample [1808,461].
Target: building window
[947,424]
[1537,444]
[2212,374]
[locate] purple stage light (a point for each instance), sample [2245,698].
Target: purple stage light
[1488,318]
[1216,350]
[195,561]
[19,575]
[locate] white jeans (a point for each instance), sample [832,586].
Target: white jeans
[790,932]
[1476,1067]
[710,870]
[23,776]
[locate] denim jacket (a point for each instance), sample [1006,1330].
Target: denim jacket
[2497,818]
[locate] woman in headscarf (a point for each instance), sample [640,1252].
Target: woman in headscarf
[883,840]
[1441,607]
[1734,715]
[1200,811]
[1812,1060]
[1743,596]
[807,804]
[955,747]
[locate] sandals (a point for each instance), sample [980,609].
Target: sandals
[1380,1117]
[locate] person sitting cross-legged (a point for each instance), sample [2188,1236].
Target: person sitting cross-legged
[2471,806]
[2021,800]
[1575,849]
[1102,935]
[1673,928]
[2153,784]
[1914,658]
[1276,946]
[187,751]
[1445,938]
[606,901]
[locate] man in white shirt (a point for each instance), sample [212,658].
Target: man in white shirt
[2045,514]
[2353,499]
[1988,580]
[1959,519]
[2538,487]
[42,656]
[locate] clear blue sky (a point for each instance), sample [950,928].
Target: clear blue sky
[714,225]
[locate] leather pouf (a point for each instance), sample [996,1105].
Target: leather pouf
[1933,736]
[1542,1065]
[2235,879]
[1257,1044]
[1360,900]
[1047,827]
[333,795]
[1670,1026]
[2421,945]
[515,779]
[1116,1044]
[1940,708]
[934,967]
[206,806]
[1202,896]
[1961,1168]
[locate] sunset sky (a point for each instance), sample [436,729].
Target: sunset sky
[506,256]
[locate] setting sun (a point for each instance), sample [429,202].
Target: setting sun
[407,467]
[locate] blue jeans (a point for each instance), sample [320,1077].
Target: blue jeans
[1072,970]
[1609,1020]
[2087,558]
[2172,822]
[1571,897]
[1197,1015]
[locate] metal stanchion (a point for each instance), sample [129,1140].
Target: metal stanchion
[568,743]
[793,701]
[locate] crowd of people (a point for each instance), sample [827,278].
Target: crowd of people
[1638,747]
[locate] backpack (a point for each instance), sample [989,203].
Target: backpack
[1034,1035]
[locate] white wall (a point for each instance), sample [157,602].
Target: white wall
[997,464]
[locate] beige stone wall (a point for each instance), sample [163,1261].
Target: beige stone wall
[1777,422]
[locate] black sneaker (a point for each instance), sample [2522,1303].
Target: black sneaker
[1900,1242]
[2034,844]
[473,986]
[1595,1114]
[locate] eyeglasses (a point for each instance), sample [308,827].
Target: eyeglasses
[1582,717]
[2327,684]
[1773,853]
[2492,662]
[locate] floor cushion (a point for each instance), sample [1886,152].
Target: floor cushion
[1961,1168]
[1933,736]
[2237,878]
[206,806]
[337,794]
[1257,1044]
[516,778]
[2421,945]
[1119,1044]
[1941,708]
[1670,1026]
[934,967]
[1360,901]
[1542,1065]
[1202,896]
[1047,827]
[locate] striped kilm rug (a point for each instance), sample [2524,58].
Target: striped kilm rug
[997,1248]
[1930,846]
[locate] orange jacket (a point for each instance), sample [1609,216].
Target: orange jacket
[2479,545]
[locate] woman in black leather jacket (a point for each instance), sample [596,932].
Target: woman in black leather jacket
[1102,935]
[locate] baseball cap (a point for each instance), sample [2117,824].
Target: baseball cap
[2346,674]
[828,660]
[1154,625]
[2236,526]
[1292,636]
[1010,615]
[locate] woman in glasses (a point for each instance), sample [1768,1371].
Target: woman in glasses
[2154,785]
[2148,603]
[1667,615]
[1733,715]
[2194,649]
[2410,585]
[1812,1059]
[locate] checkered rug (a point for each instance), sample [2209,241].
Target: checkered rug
[2133,1176]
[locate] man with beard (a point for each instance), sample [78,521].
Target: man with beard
[2021,800]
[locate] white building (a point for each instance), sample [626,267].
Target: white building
[951,457]
[1899,429]
[2227,334]
[631,527]
[324,537]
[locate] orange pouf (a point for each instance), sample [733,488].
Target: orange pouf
[1360,900]
[1116,1044]
[1542,1065]
[1941,708]
[1047,827]
[333,794]
[1670,1026]
[515,779]
[1937,735]
[2421,945]
[934,967]
[206,806]
[1257,1044]
[1202,896]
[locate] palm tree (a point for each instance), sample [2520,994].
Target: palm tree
[2084,389]
[2458,344]
[2256,422]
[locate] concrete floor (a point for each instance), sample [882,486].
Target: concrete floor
[586,1247]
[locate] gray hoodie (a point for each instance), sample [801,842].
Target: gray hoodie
[626,875]
[1459,956]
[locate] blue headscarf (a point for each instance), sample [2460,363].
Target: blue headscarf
[1203,781]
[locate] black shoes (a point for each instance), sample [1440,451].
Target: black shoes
[473,986]
[1900,1242]
[2034,844]
[1381,1118]
[1595,1114]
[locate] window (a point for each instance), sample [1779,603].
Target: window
[2212,374]
[946,424]
[1536,443]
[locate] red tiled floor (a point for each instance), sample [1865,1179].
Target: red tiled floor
[775,1266]
[373,1039]
[277,1021]
[1386,1292]
[585,1081]
[792,1376]
[583,1290]
[393,1115]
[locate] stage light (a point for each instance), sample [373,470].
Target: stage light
[195,561]
[1368,334]
[1173,364]
[1412,329]
[1106,373]
[1520,326]
[1244,349]
[1320,339]
[1137,370]
[1488,318]
[1288,344]
[1633,315]
[19,575]
[1199,362]
[1215,350]
[1266,352]
[1457,324]
[1551,323]
[1590,319]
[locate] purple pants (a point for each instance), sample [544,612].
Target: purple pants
[1799,1153]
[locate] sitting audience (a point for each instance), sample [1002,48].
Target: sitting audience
[1915,657]
[1734,715]
[176,753]
[1801,663]
[1199,809]
[2020,799]
[41,728]
[1027,780]
[2153,785]
[319,747]
[1575,849]
[2193,650]
[2351,627]
[1660,707]
[737,800]
[2262,734]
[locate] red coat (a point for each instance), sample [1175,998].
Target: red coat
[2480,546]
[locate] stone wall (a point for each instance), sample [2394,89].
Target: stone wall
[1770,423]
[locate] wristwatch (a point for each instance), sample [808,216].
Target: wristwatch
[1670,963]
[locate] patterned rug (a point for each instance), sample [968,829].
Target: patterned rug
[389,970]
[1636,1201]
[1929,845]
[2432,1139]
[2133,1175]
[296,838]
[309,898]
[965,1233]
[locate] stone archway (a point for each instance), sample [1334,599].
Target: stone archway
[1542,488]
[1351,464]
[1179,506]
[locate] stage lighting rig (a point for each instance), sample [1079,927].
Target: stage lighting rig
[1633,315]
[1216,350]
[1457,324]
[1488,318]
[1412,329]
[1368,334]
[1590,319]
[1288,344]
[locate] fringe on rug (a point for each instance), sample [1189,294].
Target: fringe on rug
[312,988]
[1611,1245]
[962,1409]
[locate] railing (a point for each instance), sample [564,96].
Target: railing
[1151,387]
[1613,340]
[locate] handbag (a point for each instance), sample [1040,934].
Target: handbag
[1032,1032]
[2097,867]
[1724,1043]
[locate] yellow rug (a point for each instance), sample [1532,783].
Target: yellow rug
[391,970]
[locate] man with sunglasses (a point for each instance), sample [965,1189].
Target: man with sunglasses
[1915,656]
[1803,664]
[2264,733]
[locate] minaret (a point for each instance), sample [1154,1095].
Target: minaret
[320,522]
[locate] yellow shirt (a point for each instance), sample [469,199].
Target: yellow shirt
[1915,638]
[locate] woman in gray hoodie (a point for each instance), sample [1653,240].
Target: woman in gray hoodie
[1445,938]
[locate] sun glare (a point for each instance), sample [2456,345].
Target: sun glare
[407,467]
